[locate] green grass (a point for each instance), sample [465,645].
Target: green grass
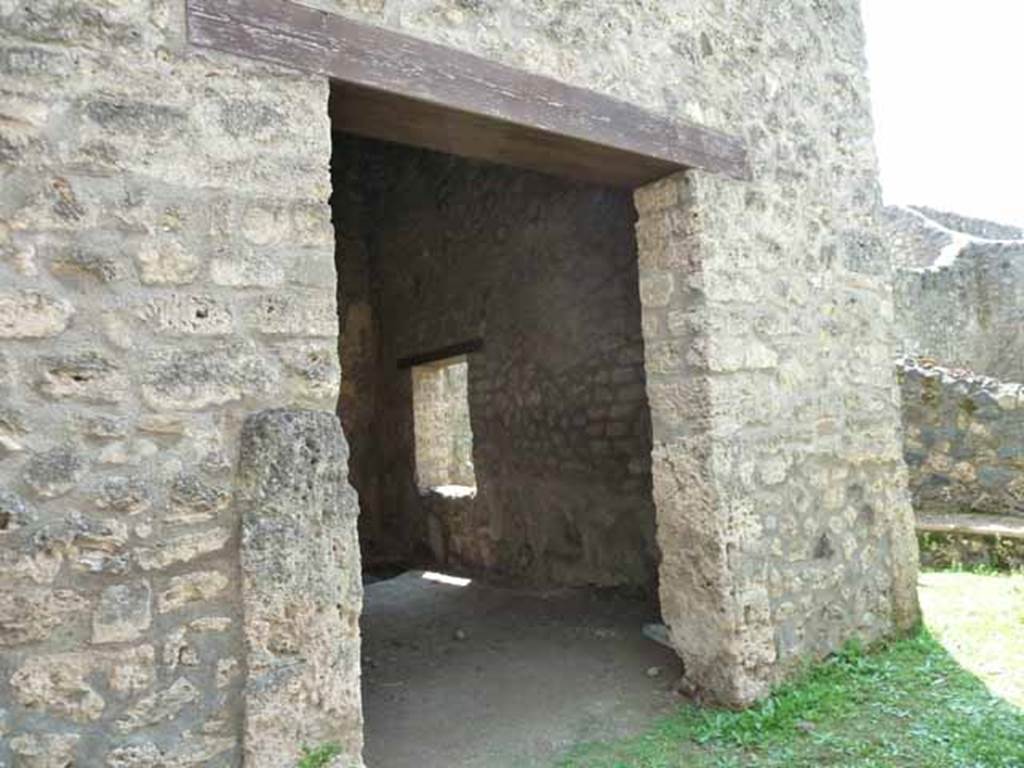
[319,757]
[949,697]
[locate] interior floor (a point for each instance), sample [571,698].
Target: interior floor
[482,676]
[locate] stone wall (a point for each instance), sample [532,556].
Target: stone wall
[783,518]
[959,290]
[544,271]
[166,268]
[964,441]
[969,314]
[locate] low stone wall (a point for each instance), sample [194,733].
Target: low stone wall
[964,441]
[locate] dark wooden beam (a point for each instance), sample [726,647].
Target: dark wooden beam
[400,88]
[434,355]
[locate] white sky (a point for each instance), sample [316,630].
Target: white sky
[946,88]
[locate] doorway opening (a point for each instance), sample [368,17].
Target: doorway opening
[494,399]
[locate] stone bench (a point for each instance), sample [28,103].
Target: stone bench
[957,540]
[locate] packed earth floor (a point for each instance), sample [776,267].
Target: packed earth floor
[481,676]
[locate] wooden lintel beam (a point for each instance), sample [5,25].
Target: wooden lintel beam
[443,353]
[496,105]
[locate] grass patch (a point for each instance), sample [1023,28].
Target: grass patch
[318,757]
[924,701]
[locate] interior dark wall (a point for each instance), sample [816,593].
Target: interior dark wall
[435,250]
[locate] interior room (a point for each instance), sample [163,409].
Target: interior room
[493,397]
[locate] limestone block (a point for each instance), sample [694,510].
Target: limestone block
[192,751]
[54,472]
[188,315]
[281,315]
[32,315]
[126,495]
[30,614]
[311,371]
[44,750]
[182,549]
[191,588]
[123,613]
[86,376]
[247,270]
[84,261]
[193,499]
[133,670]
[166,261]
[159,706]
[301,588]
[191,379]
[59,684]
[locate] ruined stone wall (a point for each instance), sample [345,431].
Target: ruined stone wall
[969,313]
[964,441]
[544,271]
[165,269]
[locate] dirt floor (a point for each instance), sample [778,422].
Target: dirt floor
[483,676]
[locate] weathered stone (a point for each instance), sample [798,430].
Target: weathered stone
[128,452]
[123,613]
[194,379]
[32,315]
[187,315]
[301,600]
[158,707]
[192,499]
[167,262]
[190,752]
[182,549]
[227,671]
[30,614]
[83,261]
[178,652]
[59,684]
[311,370]
[247,271]
[281,315]
[14,511]
[54,472]
[191,588]
[87,376]
[44,750]
[123,495]
[104,427]
[133,670]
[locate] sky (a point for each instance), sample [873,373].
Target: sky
[947,89]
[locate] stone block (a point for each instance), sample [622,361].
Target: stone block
[33,315]
[188,315]
[44,750]
[182,549]
[123,613]
[191,588]
[159,707]
[29,614]
[167,261]
[301,586]
[281,315]
[90,377]
[54,472]
[59,684]
[192,379]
